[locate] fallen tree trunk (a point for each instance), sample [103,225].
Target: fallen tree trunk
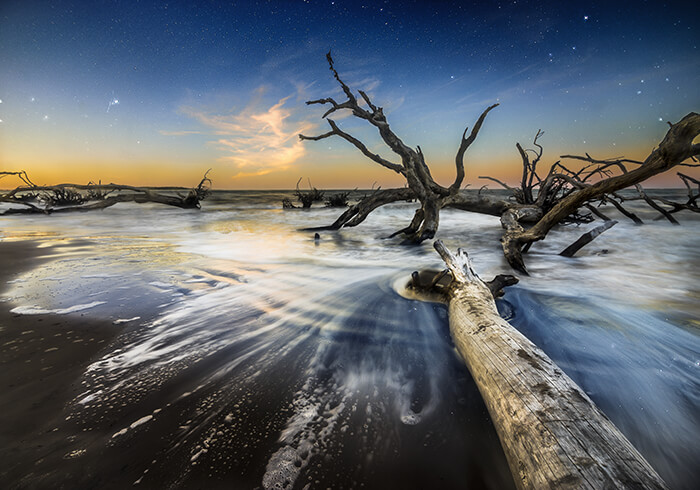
[552,434]
[64,198]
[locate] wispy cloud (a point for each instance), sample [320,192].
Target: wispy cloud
[261,138]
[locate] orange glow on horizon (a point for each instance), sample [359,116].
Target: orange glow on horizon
[340,169]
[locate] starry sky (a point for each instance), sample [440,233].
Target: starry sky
[155,93]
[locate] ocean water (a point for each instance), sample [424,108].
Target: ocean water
[253,356]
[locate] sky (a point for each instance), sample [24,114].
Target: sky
[156,93]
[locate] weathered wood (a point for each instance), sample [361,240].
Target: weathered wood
[65,198]
[586,238]
[544,202]
[420,183]
[553,435]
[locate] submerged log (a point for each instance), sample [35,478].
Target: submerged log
[552,434]
[586,238]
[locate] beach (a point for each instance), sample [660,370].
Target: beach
[42,360]
[224,348]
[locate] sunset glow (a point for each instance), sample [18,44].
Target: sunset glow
[156,95]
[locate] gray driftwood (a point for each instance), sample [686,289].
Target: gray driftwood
[553,435]
[63,198]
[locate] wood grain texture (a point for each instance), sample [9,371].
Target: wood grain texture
[553,435]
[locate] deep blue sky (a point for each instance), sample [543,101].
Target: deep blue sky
[107,89]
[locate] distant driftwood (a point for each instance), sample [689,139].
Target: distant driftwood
[552,434]
[42,199]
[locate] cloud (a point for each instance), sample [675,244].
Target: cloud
[259,139]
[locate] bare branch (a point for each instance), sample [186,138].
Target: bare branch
[369,102]
[629,214]
[502,184]
[586,238]
[651,203]
[588,158]
[346,89]
[358,144]
[357,213]
[21,174]
[466,142]
[597,212]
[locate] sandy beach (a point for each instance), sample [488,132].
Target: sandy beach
[42,359]
[225,349]
[65,427]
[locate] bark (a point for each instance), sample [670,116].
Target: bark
[553,435]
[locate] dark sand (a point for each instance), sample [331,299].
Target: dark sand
[45,443]
[42,359]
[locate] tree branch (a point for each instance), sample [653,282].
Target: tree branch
[336,131]
[466,142]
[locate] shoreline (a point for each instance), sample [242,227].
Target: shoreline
[42,360]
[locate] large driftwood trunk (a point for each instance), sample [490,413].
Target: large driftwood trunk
[553,435]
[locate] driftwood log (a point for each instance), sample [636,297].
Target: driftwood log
[64,198]
[552,434]
[540,202]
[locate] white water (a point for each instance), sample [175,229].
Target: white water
[287,361]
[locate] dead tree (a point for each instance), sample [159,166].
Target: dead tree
[307,198]
[421,185]
[552,433]
[676,147]
[62,198]
[538,204]
[337,200]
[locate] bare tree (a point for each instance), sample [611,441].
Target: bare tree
[558,197]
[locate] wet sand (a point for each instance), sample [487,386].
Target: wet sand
[46,443]
[42,359]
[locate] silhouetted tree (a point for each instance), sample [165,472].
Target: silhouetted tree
[538,204]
